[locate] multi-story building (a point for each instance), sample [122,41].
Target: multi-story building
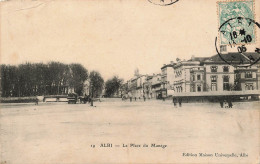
[167,78]
[214,74]
[246,78]
[258,75]
[189,76]
[156,86]
[197,79]
[198,74]
[219,75]
[148,87]
[140,86]
[143,85]
[133,86]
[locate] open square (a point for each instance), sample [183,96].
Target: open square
[60,132]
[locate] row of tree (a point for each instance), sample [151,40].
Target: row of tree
[53,78]
[113,87]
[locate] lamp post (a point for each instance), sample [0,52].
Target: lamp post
[91,99]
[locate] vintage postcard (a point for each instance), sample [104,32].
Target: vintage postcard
[129,81]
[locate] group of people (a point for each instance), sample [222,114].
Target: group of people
[176,100]
[226,103]
[85,99]
[144,98]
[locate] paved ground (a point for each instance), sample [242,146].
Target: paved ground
[64,133]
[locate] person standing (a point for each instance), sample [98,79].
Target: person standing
[180,101]
[221,103]
[230,105]
[130,96]
[36,101]
[174,102]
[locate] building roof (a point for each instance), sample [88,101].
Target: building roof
[188,63]
[167,65]
[200,59]
[232,56]
[149,77]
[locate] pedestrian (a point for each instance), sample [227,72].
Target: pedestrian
[221,103]
[144,98]
[135,98]
[230,105]
[225,103]
[36,101]
[131,99]
[91,101]
[180,101]
[174,100]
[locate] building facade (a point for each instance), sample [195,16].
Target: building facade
[189,76]
[167,79]
[211,74]
[148,86]
[219,76]
[156,86]
[246,78]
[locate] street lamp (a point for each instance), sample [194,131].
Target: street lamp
[91,99]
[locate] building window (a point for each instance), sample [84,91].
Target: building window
[225,83]
[226,69]
[213,68]
[192,89]
[178,73]
[214,83]
[214,79]
[213,86]
[199,88]
[249,86]
[248,75]
[238,76]
[193,78]
[198,77]
[179,89]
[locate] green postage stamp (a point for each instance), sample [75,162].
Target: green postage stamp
[235,22]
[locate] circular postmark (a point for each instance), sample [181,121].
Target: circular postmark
[163,2]
[237,33]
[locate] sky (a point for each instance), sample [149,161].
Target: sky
[114,37]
